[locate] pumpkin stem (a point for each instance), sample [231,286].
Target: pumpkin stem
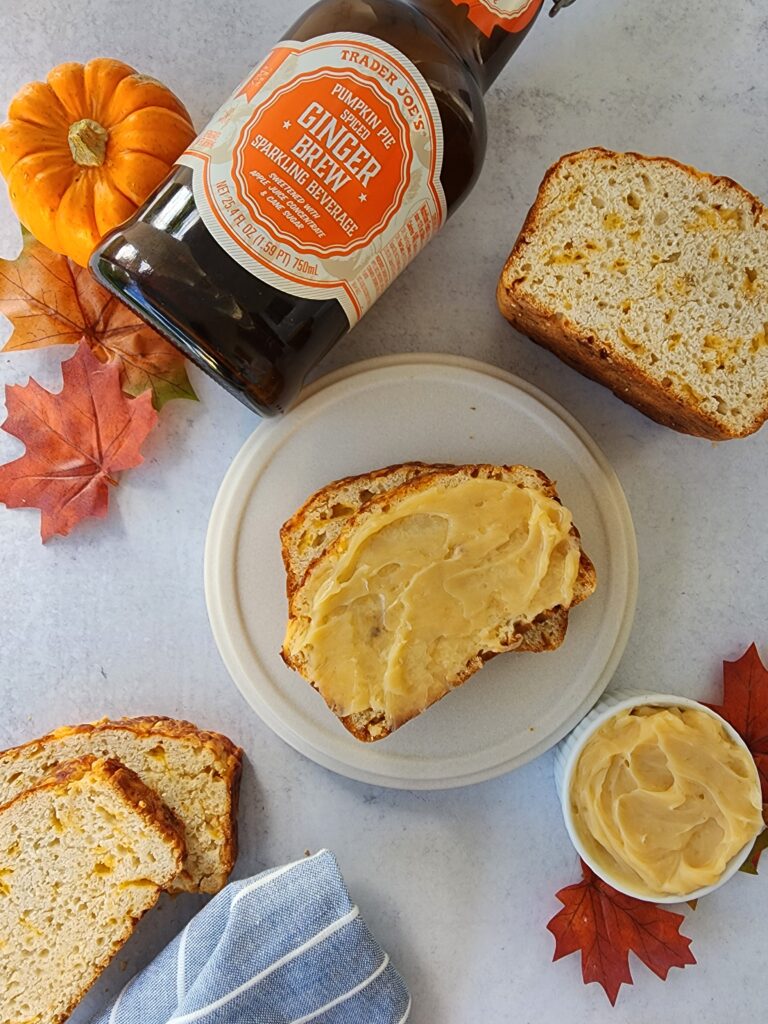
[88,142]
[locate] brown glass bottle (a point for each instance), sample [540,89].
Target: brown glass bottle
[256,339]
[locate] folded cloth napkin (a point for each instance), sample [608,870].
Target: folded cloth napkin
[285,947]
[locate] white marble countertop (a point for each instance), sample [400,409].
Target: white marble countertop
[457,885]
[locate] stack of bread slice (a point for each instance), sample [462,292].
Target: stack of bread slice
[95,821]
[381,669]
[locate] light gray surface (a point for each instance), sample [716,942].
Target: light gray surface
[457,885]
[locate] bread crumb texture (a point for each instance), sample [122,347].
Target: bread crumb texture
[195,773]
[648,266]
[83,855]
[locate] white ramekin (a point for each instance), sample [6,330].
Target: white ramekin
[567,754]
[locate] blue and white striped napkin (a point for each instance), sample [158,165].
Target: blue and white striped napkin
[285,947]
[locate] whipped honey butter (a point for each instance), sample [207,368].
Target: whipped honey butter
[663,797]
[394,619]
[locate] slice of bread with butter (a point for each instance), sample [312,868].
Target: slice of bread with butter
[317,524]
[403,582]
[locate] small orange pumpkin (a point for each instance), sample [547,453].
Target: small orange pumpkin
[82,150]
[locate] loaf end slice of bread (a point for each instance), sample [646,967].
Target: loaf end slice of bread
[319,521]
[195,772]
[83,855]
[547,629]
[652,278]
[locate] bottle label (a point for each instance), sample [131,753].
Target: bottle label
[511,15]
[321,174]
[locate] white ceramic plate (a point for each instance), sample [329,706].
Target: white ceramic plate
[433,408]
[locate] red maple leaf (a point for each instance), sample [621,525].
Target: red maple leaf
[749,866]
[745,706]
[606,926]
[76,440]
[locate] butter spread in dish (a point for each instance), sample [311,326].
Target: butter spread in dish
[662,798]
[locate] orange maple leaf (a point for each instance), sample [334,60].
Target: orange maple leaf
[51,301]
[605,925]
[76,441]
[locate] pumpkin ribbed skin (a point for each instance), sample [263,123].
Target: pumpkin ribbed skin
[82,150]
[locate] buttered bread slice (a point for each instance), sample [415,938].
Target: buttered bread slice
[83,855]
[319,521]
[425,583]
[196,773]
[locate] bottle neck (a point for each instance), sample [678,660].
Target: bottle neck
[486,47]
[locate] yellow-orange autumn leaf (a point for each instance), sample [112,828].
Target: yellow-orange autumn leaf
[51,301]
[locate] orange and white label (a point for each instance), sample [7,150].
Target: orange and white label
[321,174]
[510,15]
